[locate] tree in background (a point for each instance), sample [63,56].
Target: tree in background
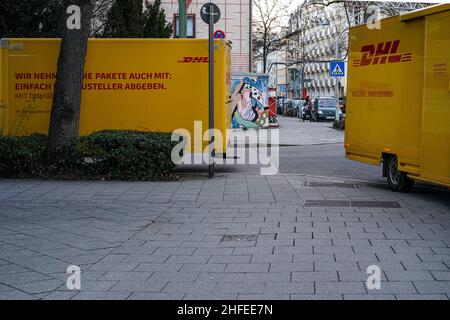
[270,16]
[125,19]
[43,18]
[111,19]
[53,19]
[31,18]
[155,21]
[18,18]
[99,17]
[128,19]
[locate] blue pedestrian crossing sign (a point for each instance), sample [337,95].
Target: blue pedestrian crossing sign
[337,69]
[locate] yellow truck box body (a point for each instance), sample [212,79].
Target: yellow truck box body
[398,93]
[138,84]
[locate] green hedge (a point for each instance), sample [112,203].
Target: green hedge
[21,157]
[105,155]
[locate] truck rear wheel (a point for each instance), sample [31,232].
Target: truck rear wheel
[397,180]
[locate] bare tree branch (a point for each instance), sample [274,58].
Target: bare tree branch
[269,21]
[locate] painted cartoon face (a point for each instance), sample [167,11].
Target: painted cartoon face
[251,110]
[256,94]
[246,93]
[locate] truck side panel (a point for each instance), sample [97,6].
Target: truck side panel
[436,114]
[384,93]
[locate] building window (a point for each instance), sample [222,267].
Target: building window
[190,26]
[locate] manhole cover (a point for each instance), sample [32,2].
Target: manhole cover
[240,237]
[375,204]
[320,184]
[326,203]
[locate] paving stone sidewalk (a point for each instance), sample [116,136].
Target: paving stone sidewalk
[233,237]
[293,132]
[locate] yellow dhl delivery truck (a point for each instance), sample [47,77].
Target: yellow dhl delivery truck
[135,84]
[398,97]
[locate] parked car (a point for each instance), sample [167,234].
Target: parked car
[324,108]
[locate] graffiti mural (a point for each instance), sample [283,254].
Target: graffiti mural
[249,106]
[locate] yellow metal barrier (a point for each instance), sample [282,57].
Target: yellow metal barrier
[139,84]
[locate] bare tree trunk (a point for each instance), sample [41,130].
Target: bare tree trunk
[65,113]
[265,63]
[265,53]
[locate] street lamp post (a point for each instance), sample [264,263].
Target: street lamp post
[276,82]
[336,48]
[338,115]
[302,84]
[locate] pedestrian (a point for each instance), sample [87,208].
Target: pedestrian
[308,107]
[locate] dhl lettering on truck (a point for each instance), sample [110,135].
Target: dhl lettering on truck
[381,53]
[194,60]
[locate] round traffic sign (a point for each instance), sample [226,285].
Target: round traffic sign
[205,11]
[219,34]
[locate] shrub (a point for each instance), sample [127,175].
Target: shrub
[129,155]
[105,155]
[21,157]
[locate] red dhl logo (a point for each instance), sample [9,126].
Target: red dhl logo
[194,60]
[384,52]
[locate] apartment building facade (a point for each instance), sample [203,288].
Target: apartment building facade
[235,23]
[319,34]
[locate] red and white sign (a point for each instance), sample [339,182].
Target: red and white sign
[219,34]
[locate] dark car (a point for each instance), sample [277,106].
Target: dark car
[324,108]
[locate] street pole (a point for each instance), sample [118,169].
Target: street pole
[276,81]
[337,117]
[182,18]
[211,149]
[302,84]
